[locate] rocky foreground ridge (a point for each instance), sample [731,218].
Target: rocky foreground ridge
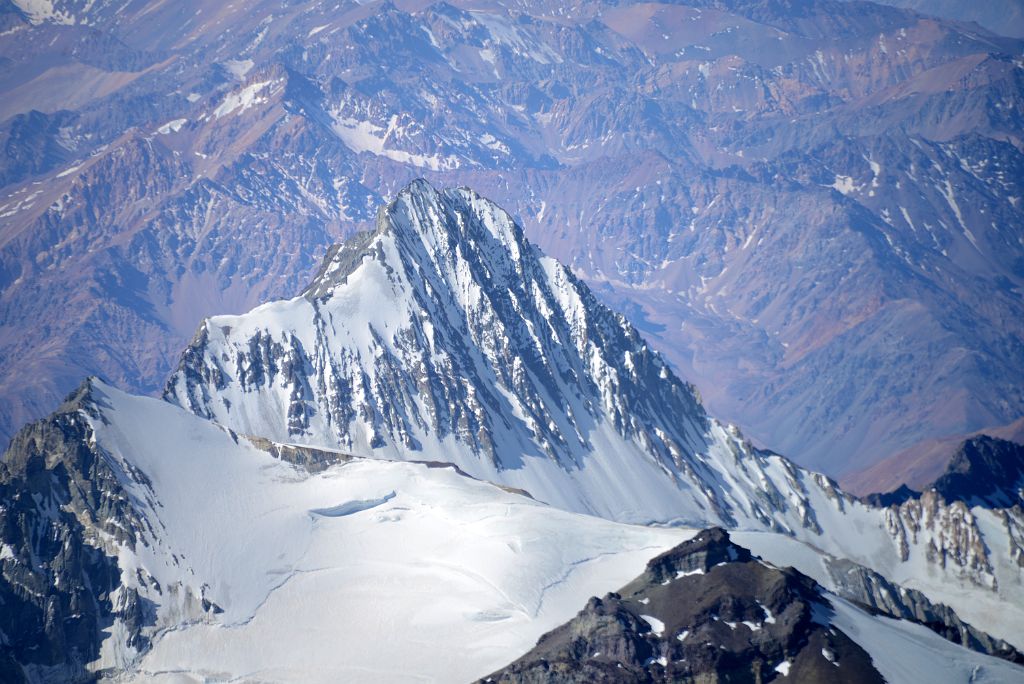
[705,611]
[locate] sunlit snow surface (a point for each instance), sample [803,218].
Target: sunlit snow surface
[369,571]
[381,571]
[905,652]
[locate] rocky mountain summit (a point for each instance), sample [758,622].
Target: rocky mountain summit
[985,471]
[775,192]
[63,514]
[706,610]
[918,467]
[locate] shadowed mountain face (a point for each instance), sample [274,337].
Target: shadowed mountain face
[811,209]
[983,471]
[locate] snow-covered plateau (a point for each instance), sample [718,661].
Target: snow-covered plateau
[372,570]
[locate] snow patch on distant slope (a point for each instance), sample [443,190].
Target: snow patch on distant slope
[239,67]
[844,184]
[503,31]
[364,136]
[239,101]
[172,126]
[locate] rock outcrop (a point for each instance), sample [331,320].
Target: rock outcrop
[706,611]
[64,514]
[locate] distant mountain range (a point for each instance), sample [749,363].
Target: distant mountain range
[811,208]
[1005,17]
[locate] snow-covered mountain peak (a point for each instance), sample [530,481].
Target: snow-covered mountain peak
[441,228]
[444,332]
[422,210]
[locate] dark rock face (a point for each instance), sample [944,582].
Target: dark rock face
[312,460]
[896,496]
[705,611]
[983,471]
[60,588]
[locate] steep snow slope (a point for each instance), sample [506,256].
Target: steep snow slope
[369,570]
[989,609]
[905,652]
